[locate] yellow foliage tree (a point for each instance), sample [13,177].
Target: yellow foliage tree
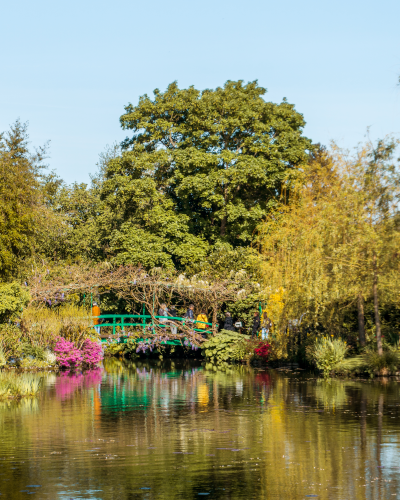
[337,240]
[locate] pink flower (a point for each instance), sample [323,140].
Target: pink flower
[68,356]
[92,352]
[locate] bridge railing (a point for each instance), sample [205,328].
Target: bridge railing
[164,321]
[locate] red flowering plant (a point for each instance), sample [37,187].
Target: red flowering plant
[263,350]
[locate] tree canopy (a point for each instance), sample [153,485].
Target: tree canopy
[338,239]
[222,156]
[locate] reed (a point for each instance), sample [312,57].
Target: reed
[13,385]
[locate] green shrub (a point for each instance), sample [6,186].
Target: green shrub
[35,351]
[381,364]
[3,360]
[13,298]
[10,340]
[356,364]
[326,353]
[42,325]
[33,363]
[224,347]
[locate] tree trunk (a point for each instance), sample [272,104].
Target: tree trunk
[361,324]
[376,309]
[225,218]
[214,319]
[223,226]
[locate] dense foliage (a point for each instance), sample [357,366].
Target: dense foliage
[334,248]
[214,189]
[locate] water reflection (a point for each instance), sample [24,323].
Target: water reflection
[183,430]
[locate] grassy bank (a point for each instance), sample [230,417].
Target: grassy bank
[15,385]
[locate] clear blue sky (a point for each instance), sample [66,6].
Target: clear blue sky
[70,67]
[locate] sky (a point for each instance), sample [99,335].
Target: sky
[69,68]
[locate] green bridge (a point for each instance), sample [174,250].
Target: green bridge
[144,321]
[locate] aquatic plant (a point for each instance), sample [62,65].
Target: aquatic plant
[18,385]
[33,363]
[355,364]
[370,362]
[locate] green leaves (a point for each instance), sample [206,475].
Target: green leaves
[222,155]
[224,346]
[13,297]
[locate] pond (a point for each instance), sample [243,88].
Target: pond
[181,430]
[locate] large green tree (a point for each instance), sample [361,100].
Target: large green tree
[138,223]
[22,207]
[223,156]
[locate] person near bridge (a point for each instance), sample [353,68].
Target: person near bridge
[256,325]
[96,321]
[228,325]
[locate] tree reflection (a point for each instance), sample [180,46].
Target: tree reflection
[181,428]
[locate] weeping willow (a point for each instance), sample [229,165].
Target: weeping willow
[336,239]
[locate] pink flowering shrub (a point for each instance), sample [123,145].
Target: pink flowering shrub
[92,352]
[68,356]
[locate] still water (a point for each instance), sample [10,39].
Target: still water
[142,430]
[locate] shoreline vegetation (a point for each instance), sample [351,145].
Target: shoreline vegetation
[217,200]
[15,386]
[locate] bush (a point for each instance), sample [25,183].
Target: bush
[370,362]
[50,358]
[226,346]
[3,360]
[113,348]
[263,350]
[92,353]
[13,298]
[42,326]
[243,350]
[383,364]
[29,350]
[326,353]
[10,341]
[68,356]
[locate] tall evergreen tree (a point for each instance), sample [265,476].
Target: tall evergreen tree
[19,198]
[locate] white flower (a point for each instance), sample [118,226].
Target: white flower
[50,357]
